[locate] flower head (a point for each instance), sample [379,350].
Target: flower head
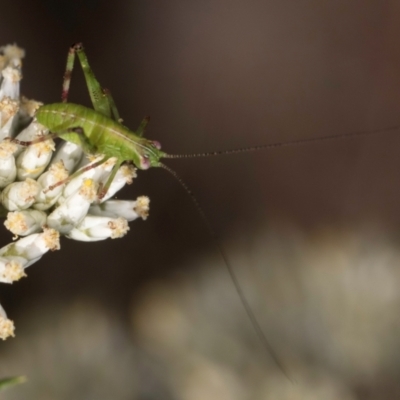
[41,201]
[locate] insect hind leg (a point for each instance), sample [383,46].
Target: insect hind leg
[102,100]
[77,173]
[67,74]
[26,143]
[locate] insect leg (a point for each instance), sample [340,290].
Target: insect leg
[103,191]
[26,143]
[99,98]
[112,105]
[142,127]
[67,75]
[77,173]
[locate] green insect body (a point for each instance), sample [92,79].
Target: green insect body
[98,130]
[102,134]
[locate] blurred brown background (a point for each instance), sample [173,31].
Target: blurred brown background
[222,74]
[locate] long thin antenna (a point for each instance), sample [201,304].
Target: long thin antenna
[296,142]
[238,288]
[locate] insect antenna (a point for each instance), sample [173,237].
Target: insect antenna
[253,319]
[296,142]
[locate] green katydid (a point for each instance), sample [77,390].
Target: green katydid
[100,131]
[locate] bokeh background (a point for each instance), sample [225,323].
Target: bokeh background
[311,231]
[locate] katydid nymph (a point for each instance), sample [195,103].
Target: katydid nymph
[100,131]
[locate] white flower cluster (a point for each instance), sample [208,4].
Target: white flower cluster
[38,199]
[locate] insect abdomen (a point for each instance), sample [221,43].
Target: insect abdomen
[105,134]
[62,116]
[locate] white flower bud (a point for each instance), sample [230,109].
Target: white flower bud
[103,171]
[10,84]
[128,209]
[6,325]
[31,248]
[93,229]
[8,109]
[20,195]
[5,131]
[29,106]
[12,54]
[72,211]
[94,174]
[47,198]
[11,270]
[33,131]
[70,154]
[34,159]
[125,175]
[8,169]
[23,223]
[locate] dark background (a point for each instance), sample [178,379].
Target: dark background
[222,74]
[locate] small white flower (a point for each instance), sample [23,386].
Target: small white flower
[94,174]
[8,169]
[12,54]
[47,198]
[125,175]
[11,270]
[23,223]
[31,248]
[10,84]
[70,154]
[34,159]
[33,131]
[94,228]
[29,106]
[6,325]
[128,209]
[8,109]
[20,195]
[72,211]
